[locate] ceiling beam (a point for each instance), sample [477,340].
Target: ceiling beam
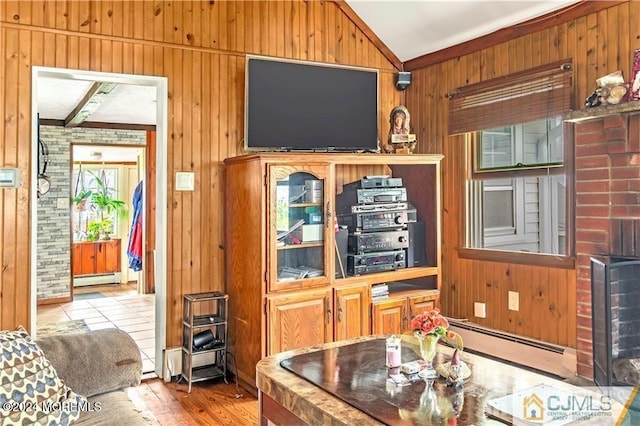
[95,96]
[100,125]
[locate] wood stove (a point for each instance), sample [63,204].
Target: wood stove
[615,307]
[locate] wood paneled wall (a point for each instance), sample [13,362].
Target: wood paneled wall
[598,43]
[200,47]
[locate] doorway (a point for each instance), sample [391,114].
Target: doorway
[101,80]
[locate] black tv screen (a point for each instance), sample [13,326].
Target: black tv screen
[310,106]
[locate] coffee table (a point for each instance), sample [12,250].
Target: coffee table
[345,383]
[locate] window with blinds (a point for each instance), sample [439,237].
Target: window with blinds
[518,185]
[545,91]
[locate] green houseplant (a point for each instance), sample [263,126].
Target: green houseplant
[102,198]
[99,229]
[105,205]
[80,200]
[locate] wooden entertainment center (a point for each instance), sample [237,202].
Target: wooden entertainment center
[284,277]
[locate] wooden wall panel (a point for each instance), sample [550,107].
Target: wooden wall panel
[599,43]
[200,46]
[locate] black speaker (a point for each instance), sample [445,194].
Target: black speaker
[416,253]
[403,80]
[341,252]
[203,338]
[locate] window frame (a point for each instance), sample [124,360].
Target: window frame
[566,261]
[506,234]
[117,170]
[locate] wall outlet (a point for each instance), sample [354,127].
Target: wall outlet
[479,310]
[514,301]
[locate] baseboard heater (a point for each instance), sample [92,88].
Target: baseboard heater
[172,363]
[557,360]
[84,280]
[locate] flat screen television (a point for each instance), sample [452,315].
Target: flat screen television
[295,105]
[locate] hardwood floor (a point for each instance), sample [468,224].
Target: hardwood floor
[209,403]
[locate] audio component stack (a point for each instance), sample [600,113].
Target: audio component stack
[376,212]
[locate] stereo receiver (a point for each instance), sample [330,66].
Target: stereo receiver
[383,207]
[378,241]
[374,182]
[372,221]
[352,197]
[381,261]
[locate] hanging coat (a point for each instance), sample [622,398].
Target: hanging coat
[134,250]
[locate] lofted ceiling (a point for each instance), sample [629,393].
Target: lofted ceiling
[409,28]
[413,28]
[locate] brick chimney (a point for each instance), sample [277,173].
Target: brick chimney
[607,173]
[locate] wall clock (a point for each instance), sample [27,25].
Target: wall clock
[44,185]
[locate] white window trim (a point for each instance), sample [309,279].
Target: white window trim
[501,235]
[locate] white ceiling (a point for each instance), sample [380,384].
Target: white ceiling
[127,103]
[409,28]
[412,28]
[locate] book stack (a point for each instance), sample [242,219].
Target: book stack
[379,292]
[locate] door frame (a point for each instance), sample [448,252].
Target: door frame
[160,249]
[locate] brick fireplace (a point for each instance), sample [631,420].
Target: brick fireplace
[607,179]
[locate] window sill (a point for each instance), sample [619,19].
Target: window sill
[536,259]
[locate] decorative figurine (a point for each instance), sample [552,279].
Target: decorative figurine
[456,371]
[400,140]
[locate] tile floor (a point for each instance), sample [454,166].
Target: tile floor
[122,308]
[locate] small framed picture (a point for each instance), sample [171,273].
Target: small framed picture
[634,90]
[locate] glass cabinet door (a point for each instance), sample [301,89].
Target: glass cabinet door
[298,226]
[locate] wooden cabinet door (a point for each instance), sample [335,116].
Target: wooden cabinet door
[389,316]
[107,257]
[112,256]
[352,312]
[87,258]
[306,239]
[420,304]
[101,255]
[299,320]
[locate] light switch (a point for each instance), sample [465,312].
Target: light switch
[62,203]
[9,177]
[185,181]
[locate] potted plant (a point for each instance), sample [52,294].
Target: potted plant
[80,200]
[104,203]
[99,229]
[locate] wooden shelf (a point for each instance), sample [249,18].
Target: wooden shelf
[272,315]
[397,275]
[586,114]
[305,205]
[300,246]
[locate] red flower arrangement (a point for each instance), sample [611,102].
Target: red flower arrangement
[431,323]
